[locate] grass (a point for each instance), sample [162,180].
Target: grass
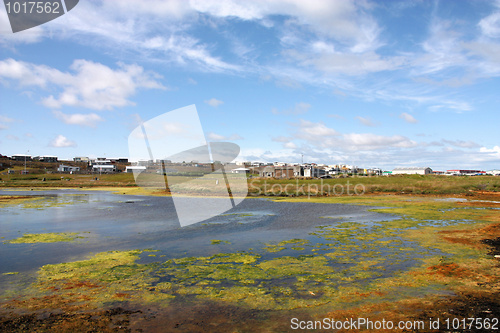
[51,237]
[408,184]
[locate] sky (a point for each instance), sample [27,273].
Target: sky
[369,83]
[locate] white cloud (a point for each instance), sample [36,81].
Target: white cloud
[89,120]
[457,106]
[282,139]
[490,25]
[290,145]
[350,64]
[62,142]
[366,121]
[373,141]
[320,136]
[218,137]
[310,131]
[299,108]
[92,85]
[3,120]
[346,21]
[461,143]
[408,118]
[214,102]
[495,150]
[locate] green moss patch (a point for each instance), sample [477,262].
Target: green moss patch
[51,237]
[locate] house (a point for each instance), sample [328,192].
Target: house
[21,157]
[412,171]
[135,169]
[68,168]
[240,170]
[122,160]
[48,159]
[314,172]
[103,165]
[81,159]
[281,171]
[465,172]
[493,173]
[103,168]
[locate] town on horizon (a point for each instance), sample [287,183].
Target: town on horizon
[260,169]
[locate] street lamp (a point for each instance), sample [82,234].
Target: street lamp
[25,155]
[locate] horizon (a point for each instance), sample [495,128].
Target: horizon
[371,84]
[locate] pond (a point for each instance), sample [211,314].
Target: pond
[122,222]
[262,254]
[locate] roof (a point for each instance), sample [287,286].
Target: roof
[103,166]
[241,169]
[411,168]
[136,167]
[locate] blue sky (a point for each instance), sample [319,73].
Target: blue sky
[375,84]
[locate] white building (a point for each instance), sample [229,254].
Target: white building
[240,170]
[103,165]
[135,169]
[412,171]
[67,168]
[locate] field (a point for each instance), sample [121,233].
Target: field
[413,184]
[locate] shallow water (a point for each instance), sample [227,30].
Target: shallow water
[118,222]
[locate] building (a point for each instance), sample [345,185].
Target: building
[412,171]
[103,165]
[122,160]
[81,159]
[493,172]
[465,172]
[240,170]
[104,168]
[68,168]
[21,157]
[281,171]
[135,169]
[48,159]
[314,172]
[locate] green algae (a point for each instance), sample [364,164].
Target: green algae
[218,241]
[52,237]
[298,245]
